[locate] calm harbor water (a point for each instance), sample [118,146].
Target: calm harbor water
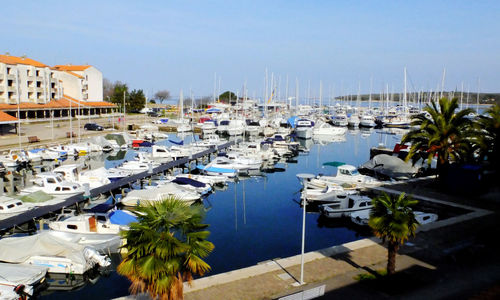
[259,218]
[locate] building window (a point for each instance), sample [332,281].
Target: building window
[38,84]
[30,83]
[37,72]
[30,95]
[53,95]
[38,95]
[9,70]
[10,95]
[53,85]
[10,82]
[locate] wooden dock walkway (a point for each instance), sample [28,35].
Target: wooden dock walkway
[30,217]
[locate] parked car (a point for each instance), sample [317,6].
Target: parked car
[153,114]
[93,126]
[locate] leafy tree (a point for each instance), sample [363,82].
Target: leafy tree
[227,96]
[165,248]
[162,95]
[392,219]
[444,133]
[120,90]
[136,100]
[152,101]
[107,89]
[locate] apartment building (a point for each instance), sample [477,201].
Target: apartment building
[26,80]
[80,82]
[31,90]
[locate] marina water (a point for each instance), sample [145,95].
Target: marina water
[260,218]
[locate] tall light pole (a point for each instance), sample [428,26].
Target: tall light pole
[304,178]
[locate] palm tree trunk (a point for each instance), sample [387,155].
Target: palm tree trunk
[392,250]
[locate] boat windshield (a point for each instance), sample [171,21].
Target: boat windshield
[354,172]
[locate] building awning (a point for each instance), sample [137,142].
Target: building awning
[5,118]
[62,103]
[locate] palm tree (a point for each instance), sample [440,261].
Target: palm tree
[165,248]
[444,133]
[392,220]
[489,125]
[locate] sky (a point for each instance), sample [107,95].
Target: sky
[195,45]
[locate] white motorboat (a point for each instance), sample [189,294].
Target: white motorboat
[325,129]
[328,194]
[222,162]
[44,249]
[346,175]
[235,127]
[212,180]
[158,151]
[216,171]
[140,164]
[61,150]
[353,120]
[208,127]
[253,129]
[249,163]
[210,140]
[345,207]
[87,223]
[18,281]
[183,127]
[53,184]
[136,197]
[74,173]
[401,121]
[304,129]
[367,121]
[189,184]
[340,120]
[12,206]
[34,155]
[102,243]
[363,216]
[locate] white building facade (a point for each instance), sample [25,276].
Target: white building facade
[23,80]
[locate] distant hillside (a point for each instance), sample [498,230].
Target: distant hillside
[484,98]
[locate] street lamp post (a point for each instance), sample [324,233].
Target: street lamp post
[304,178]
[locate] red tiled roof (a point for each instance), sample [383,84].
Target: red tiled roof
[74,74]
[71,67]
[14,60]
[6,118]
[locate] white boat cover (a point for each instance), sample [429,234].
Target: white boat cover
[21,274]
[20,249]
[391,166]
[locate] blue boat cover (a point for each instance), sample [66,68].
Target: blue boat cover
[177,143]
[291,121]
[184,181]
[101,208]
[212,110]
[146,144]
[36,150]
[120,217]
